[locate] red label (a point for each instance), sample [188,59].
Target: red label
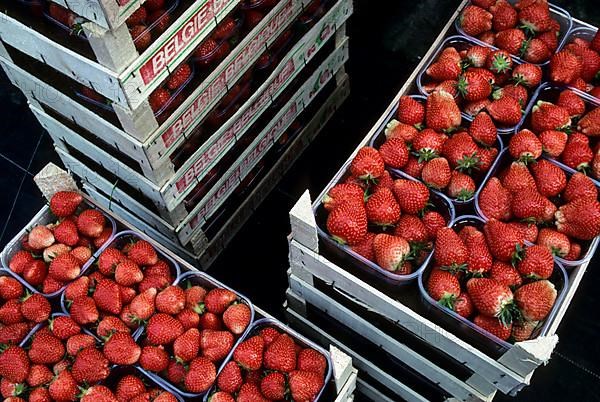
[186,34]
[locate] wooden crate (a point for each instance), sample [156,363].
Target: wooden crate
[152,158]
[200,248]
[126,77]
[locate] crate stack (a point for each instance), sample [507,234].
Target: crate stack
[179,115]
[338,297]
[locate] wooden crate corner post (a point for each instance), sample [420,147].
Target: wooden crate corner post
[52,179]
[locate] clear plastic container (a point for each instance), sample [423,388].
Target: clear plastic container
[587,33]
[466,329]
[299,339]
[461,43]
[441,203]
[588,248]
[204,280]
[561,15]
[462,205]
[43,217]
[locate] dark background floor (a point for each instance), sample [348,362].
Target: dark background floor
[387,39]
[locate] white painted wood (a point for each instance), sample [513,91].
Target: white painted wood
[113,49]
[108,14]
[345,394]
[304,226]
[444,379]
[52,179]
[342,367]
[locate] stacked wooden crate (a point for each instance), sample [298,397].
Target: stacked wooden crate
[192,171]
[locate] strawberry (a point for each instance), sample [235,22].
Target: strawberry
[158,99]
[311,360]
[109,325]
[35,307]
[217,300]
[142,306]
[82,254]
[565,67]
[461,152]
[216,345]
[442,112]
[138,17]
[90,366]
[280,355]
[62,365]
[549,178]
[483,130]
[305,385]
[142,253]
[505,274]
[477,55]
[550,39]
[577,153]
[410,111]
[170,300]
[473,108]
[91,223]
[395,129]
[154,5]
[10,288]
[77,343]
[348,224]
[98,393]
[83,310]
[179,77]
[528,75]
[494,200]
[10,312]
[525,146]
[156,359]
[39,375]
[273,386]
[63,387]
[341,193]
[128,273]
[65,203]
[200,376]
[122,349]
[450,86]
[547,116]
[175,372]
[412,229]
[77,288]
[517,178]
[475,20]
[590,123]
[109,259]
[394,153]
[571,102]
[443,287]
[557,243]
[535,51]
[446,67]
[518,92]
[553,142]
[212,321]
[45,348]
[221,396]
[579,218]
[574,252]
[536,262]
[485,4]
[382,208]
[492,299]
[474,86]
[19,261]
[39,394]
[66,232]
[428,144]
[580,186]
[54,251]
[141,36]
[536,18]
[230,378]
[367,164]
[436,173]
[128,387]
[499,62]
[385,181]
[522,330]
[463,305]
[162,329]
[14,333]
[412,196]
[530,206]
[249,353]
[365,248]
[503,240]
[505,16]
[479,258]
[40,237]
[494,326]
[450,251]
[35,273]
[412,168]
[511,40]
[14,364]
[236,318]
[505,110]
[390,251]
[107,297]
[536,299]
[250,392]
[590,61]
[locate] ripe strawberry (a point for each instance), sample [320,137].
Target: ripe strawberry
[474,86]
[45,348]
[109,259]
[66,232]
[83,310]
[217,300]
[63,364]
[98,393]
[447,66]
[571,102]
[494,326]
[522,330]
[237,318]
[175,372]
[385,181]
[536,18]
[579,218]
[10,288]
[553,142]
[35,273]
[90,366]
[367,164]
[535,51]
[153,5]
[194,297]
[40,237]
[461,152]
[77,343]
[107,297]
[525,146]
[505,274]
[19,261]
[590,123]
[505,110]
[477,55]
[565,67]
[450,86]
[141,36]
[450,251]
[529,205]
[179,77]
[428,144]
[91,223]
[138,17]
[483,130]
[511,40]
[305,385]
[216,344]
[518,92]
[492,299]
[109,325]
[82,254]
[77,288]
[436,173]
[382,208]
[473,108]
[230,378]
[39,375]
[162,329]
[341,193]
[412,196]
[249,353]
[63,387]
[280,355]
[390,251]
[499,62]
[475,20]
[479,258]
[442,112]
[14,364]
[412,168]
[536,299]
[65,203]
[158,99]
[577,153]
[412,229]
[536,262]
[494,200]
[155,358]
[590,61]
[410,111]
[528,75]
[14,333]
[557,243]
[10,312]
[550,179]
[39,394]
[505,16]
[212,321]
[547,116]
[273,386]
[580,186]
[443,287]
[170,300]
[365,248]
[250,392]
[348,224]
[463,305]
[142,306]
[200,376]
[221,396]
[128,273]
[502,239]
[395,129]
[121,349]
[35,307]
[142,253]
[394,153]
[517,178]
[485,4]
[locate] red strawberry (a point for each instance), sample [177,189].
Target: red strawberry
[491,298]
[63,387]
[45,348]
[475,20]
[221,396]
[385,181]
[311,360]
[410,111]
[550,179]
[550,39]
[365,248]
[580,186]
[155,358]
[577,153]
[158,99]
[217,300]
[348,224]
[590,123]
[122,349]
[553,142]
[505,110]
[128,387]
[66,232]
[479,258]
[19,261]
[494,326]
[10,288]
[13,334]
[91,223]
[35,307]
[35,273]
[502,239]
[77,288]
[450,251]
[341,193]
[483,130]
[10,312]
[305,385]
[249,353]
[530,205]
[571,102]
[128,273]
[505,16]
[98,393]
[517,178]
[473,108]
[250,392]
[494,200]
[536,299]
[505,274]
[83,310]
[474,86]
[273,386]
[590,60]
[477,55]
[463,305]
[40,237]
[525,146]
[557,243]
[536,262]
[142,253]
[412,196]
[176,372]
[443,287]
[212,321]
[280,355]
[395,129]
[535,51]
[536,18]
[547,116]
[412,168]
[90,366]
[153,5]
[446,67]
[394,153]
[428,144]
[565,67]
[521,331]
[200,376]
[442,112]
[39,394]
[516,91]
[367,164]
[162,329]
[461,152]
[230,378]
[109,259]
[528,75]
[511,40]
[499,61]
[215,345]
[142,306]
[485,4]
[65,203]
[14,364]
[382,208]
[436,173]
[574,252]
[390,251]
[107,297]
[82,254]
[77,343]
[412,229]
[170,300]
[189,319]
[109,325]
[39,375]
[179,77]
[579,219]
[237,318]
